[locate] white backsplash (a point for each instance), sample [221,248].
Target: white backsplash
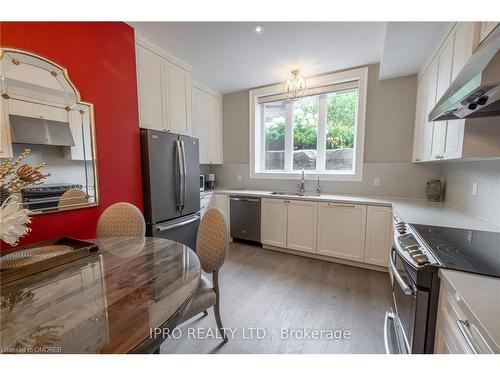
[397,180]
[459,180]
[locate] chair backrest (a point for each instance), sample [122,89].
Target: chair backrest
[121,220]
[212,241]
[72,197]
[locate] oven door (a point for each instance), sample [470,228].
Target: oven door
[404,293]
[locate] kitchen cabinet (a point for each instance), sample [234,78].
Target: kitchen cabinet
[205,202]
[341,230]
[207,123]
[221,201]
[378,239]
[150,81]
[82,150]
[448,140]
[164,90]
[273,221]
[301,225]
[456,330]
[486,28]
[5,140]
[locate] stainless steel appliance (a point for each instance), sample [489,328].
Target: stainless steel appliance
[245,218]
[211,181]
[45,196]
[418,253]
[202,182]
[475,92]
[170,167]
[39,131]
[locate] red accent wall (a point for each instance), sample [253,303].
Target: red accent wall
[100,58]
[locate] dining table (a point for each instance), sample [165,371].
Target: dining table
[125,298]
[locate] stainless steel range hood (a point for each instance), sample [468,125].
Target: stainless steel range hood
[475,92]
[38,131]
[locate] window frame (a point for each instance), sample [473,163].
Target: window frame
[257,142]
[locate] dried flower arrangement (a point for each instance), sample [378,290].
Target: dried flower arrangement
[13,218]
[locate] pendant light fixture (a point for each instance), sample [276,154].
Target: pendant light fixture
[295,86]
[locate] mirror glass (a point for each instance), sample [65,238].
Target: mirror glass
[44,120]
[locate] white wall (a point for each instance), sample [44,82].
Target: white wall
[61,170]
[459,178]
[388,144]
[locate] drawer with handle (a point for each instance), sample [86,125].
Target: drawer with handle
[456,332]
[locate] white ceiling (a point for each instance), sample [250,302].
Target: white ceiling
[407,45]
[229,56]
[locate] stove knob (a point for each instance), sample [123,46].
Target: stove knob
[421,259]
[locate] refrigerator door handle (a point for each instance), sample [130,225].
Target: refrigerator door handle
[181,174]
[177,225]
[184,173]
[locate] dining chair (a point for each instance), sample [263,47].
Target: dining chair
[121,220]
[72,197]
[212,243]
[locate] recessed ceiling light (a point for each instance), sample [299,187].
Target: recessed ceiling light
[258,29]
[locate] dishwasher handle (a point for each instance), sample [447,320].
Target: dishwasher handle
[255,200]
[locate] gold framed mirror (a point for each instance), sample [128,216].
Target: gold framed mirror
[42,111]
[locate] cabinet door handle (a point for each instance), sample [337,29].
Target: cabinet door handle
[342,205]
[464,327]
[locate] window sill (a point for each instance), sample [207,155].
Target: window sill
[347,176]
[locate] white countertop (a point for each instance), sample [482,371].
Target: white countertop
[479,296]
[415,211]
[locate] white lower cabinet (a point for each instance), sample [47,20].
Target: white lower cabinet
[353,232]
[274,222]
[222,201]
[341,230]
[302,219]
[378,235]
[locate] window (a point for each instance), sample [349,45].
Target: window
[321,133]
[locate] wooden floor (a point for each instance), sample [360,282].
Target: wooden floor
[273,291]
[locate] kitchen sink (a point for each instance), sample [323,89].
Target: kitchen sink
[295,194]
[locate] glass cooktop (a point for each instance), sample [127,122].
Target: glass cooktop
[463,249]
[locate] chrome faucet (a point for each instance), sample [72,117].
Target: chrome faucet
[302,185]
[318,187]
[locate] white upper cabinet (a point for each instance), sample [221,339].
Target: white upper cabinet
[341,230]
[178,89]
[207,123]
[430,78]
[486,28]
[164,90]
[150,81]
[446,140]
[445,62]
[5,141]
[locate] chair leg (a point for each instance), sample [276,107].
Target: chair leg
[217,306]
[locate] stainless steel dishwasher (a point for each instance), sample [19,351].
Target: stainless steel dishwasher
[245,217]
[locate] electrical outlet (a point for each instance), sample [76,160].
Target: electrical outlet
[376,181]
[238,178]
[474,189]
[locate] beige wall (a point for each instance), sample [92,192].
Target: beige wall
[390,117]
[459,178]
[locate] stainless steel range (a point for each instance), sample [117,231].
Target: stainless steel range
[416,256]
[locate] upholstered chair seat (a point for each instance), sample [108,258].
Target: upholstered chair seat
[121,220]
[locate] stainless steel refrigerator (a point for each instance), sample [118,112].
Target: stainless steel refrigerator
[171,172]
